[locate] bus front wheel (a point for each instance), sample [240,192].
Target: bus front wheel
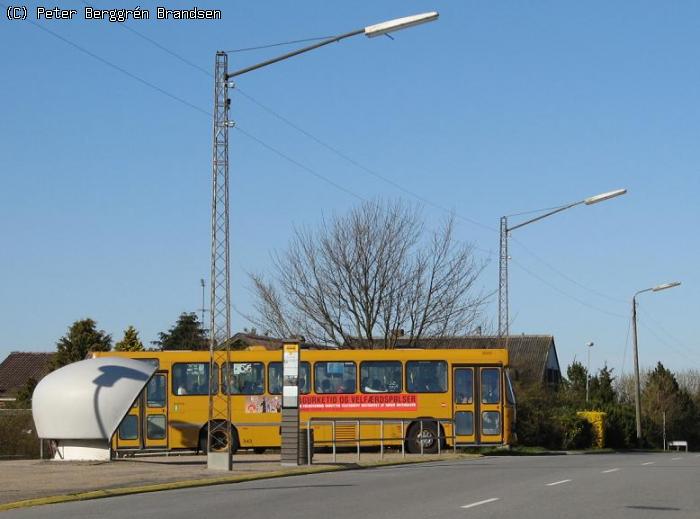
[427,435]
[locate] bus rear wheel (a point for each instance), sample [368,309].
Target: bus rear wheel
[428,436]
[220,441]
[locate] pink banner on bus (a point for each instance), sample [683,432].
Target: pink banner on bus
[354,403]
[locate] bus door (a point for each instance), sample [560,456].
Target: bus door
[490,405]
[128,435]
[154,416]
[464,405]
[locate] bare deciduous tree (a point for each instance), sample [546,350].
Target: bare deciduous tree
[370,275]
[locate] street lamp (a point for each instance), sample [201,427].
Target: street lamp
[219,429]
[370,31]
[637,391]
[588,368]
[503,257]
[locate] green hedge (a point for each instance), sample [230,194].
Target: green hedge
[18,437]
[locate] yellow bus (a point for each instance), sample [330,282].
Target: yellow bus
[467,394]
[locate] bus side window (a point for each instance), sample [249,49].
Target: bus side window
[381,377]
[247,378]
[426,376]
[334,377]
[191,378]
[274,370]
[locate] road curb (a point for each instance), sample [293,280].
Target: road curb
[193,483]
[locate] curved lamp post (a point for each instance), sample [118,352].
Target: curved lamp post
[220,308]
[637,389]
[503,257]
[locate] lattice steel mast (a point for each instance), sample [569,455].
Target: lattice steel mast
[503,281]
[219,429]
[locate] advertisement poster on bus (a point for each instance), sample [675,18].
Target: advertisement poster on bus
[335,403]
[363,402]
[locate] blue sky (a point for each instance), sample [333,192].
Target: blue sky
[497,108]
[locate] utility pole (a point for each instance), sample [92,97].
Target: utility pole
[219,431]
[503,280]
[637,382]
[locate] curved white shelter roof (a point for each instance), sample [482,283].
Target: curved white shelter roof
[87,400]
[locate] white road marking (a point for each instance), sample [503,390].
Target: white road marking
[557,482]
[478,503]
[675,459]
[649,463]
[609,471]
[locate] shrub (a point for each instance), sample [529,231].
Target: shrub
[620,428]
[577,432]
[18,437]
[536,424]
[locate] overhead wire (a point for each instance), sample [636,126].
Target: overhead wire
[673,348]
[678,344]
[278,44]
[120,69]
[565,276]
[563,293]
[359,165]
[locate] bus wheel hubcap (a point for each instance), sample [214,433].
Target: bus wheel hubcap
[426,438]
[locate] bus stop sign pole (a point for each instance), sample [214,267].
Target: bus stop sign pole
[290,405]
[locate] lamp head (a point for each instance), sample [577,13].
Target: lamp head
[604,196]
[399,23]
[657,288]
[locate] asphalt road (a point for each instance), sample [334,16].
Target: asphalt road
[635,485]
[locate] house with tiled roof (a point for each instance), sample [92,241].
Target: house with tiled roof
[18,368]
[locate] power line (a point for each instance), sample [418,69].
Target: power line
[666,343]
[297,163]
[565,276]
[624,353]
[679,344]
[566,294]
[120,69]
[357,164]
[279,44]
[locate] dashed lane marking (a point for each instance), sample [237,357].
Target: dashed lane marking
[558,482]
[479,503]
[649,463]
[676,459]
[609,471]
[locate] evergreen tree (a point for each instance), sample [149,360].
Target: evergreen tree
[602,392]
[187,334]
[81,339]
[130,341]
[662,395]
[576,375]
